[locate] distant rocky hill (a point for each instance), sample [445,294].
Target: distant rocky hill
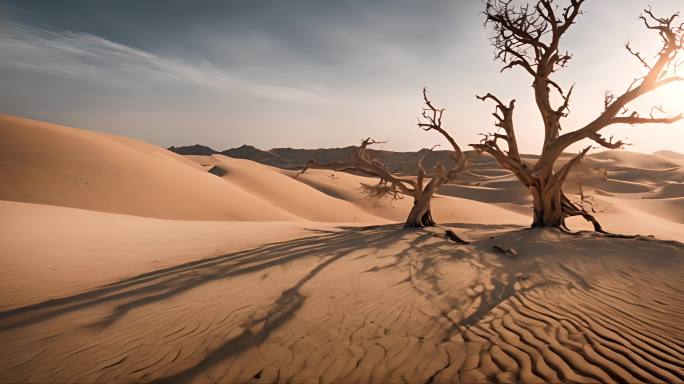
[291,158]
[196,149]
[407,162]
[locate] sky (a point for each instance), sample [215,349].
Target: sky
[304,74]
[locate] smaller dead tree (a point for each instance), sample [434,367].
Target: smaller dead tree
[421,187]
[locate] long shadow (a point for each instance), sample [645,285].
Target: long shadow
[506,270]
[165,283]
[291,299]
[412,246]
[137,291]
[509,227]
[282,310]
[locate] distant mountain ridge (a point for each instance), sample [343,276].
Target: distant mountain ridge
[293,158]
[402,162]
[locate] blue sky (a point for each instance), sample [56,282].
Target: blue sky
[301,73]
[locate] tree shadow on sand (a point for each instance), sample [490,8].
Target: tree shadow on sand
[121,297]
[420,253]
[165,283]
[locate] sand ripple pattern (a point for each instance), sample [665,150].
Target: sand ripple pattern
[374,305]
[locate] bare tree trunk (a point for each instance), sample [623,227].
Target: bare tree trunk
[547,205]
[420,214]
[551,207]
[427,219]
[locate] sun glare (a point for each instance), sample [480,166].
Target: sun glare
[672,96]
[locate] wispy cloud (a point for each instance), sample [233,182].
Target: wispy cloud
[87,57]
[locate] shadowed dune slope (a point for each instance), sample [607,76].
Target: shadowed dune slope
[667,191]
[285,192]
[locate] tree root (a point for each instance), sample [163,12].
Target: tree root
[571,209]
[611,235]
[451,235]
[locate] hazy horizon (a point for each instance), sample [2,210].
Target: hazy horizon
[303,74]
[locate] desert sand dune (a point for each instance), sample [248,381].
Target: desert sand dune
[50,164]
[628,175]
[419,309]
[446,208]
[670,155]
[487,193]
[667,208]
[621,186]
[635,160]
[285,192]
[74,249]
[668,190]
[123,262]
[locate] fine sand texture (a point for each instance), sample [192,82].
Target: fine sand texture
[123,262]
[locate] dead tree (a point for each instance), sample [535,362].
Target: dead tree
[528,37]
[422,187]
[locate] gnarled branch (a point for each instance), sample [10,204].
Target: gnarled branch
[504,116]
[433,121]
[529,36]
[606,143]
[658,75]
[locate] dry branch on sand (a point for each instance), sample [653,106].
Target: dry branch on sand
[422,188]
[528,37]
